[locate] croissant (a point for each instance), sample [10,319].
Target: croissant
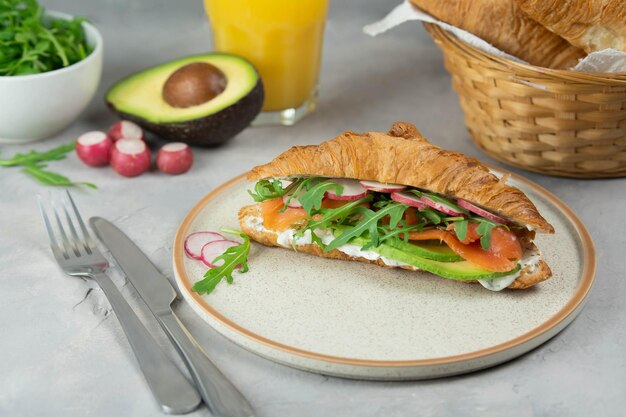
[401,156]
[592,25]
[404,156]
[505,26]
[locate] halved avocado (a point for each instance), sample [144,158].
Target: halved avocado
[202,100]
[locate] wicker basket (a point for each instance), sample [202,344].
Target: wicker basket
[555,122]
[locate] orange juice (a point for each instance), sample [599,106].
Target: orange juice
[282,38]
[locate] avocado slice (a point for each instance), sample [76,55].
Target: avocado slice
[424,249]
[202,100]
[461,270]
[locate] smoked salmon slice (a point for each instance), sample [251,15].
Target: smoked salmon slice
[503,254]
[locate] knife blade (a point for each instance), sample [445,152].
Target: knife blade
[220,395]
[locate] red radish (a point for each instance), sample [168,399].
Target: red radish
[125,129]
[94,148]
[212,250]
[477,210]
[382,187]
[409,199]
[196,241]
[352,190]
[130,157]
[442,207]
[174,158]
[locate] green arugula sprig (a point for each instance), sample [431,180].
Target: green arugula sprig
[269,189]
[315,189]
[484,229]
[31,45]
[370,224]
[34,162]
[33,157]
[233,257]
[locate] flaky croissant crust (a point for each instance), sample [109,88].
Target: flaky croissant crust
[589,24]
[505,26]
[404,156]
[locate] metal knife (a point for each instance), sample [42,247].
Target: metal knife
[220,395]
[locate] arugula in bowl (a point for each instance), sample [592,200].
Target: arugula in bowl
[32,43]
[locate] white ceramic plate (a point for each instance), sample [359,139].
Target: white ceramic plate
[362,321]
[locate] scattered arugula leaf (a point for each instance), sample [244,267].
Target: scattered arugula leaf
[233,257]
[54,154]
[34,162]
[32,44]
[51,178]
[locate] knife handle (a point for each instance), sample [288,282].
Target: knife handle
[219,394]
[171,389]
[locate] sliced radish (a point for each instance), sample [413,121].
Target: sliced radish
[483,213]
[286,183]
[440,206]
[382,187]
[212,250]
[196,241]
[130,157]
[94,148]
[409,199]
[125,129]
[174,158]
[293,202]
[352,190]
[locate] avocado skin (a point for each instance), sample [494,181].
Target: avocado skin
[209,131]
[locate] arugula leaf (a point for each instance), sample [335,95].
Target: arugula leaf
[232,257]
[328,217]
[312,198]
[301,186]
[51,178]
[460,228]
[267,190]
[433,216]
[34,162]
[484,230]
[369,223]
[54,154]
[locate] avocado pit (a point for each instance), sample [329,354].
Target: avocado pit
[194,84]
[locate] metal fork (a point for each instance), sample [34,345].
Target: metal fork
[79,257]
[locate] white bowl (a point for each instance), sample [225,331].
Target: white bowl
[34,107]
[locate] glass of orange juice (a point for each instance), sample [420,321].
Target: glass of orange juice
[283,39]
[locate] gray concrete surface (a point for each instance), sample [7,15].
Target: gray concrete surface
[63,354]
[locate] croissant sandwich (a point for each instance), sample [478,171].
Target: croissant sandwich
[395,200]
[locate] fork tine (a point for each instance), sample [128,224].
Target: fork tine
[66,242]
[77,240]
[54,244]
[89,243]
